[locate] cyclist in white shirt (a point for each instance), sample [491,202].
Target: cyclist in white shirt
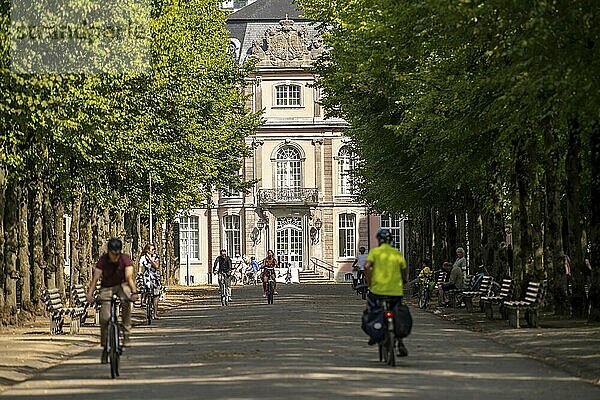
[361,261]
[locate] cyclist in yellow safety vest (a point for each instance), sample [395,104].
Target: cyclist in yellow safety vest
[386,272]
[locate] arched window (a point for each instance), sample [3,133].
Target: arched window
[346,163]
[287,95]
[288,168]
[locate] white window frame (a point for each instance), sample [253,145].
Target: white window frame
[288,168]
[346,164]
[232,235]
[287,95]
[395,224]
[189,237]
[347,235]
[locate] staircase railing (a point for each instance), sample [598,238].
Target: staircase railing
[320,265]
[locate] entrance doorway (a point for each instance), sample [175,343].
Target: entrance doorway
[289,241]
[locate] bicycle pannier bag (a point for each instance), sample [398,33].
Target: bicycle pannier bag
[372,323]
[402,321]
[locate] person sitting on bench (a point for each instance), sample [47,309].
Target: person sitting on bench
[456,282]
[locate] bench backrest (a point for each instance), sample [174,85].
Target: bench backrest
[441,277]
[486,283]
[467,281]
[53,300]
[506,289]
[79,296]
[533,294]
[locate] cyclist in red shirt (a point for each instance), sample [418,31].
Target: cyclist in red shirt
[116,270]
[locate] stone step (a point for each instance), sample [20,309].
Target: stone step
[310,276]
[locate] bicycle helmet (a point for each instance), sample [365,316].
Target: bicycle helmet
[384,235]
[115,245]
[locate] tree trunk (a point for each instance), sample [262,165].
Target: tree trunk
[74,260]
[103,230]
[170,259]
[158,239]
[451,242]
[537,272]
[129,224]
[2,250]
[49,239]
[11,245]
[84,243]
[439,254]
[474,232]
[575,220]
[553,245]
[59,250]
[23,257]
[518,216]
[37,247]
[594,292]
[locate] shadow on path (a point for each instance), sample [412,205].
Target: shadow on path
[307,345]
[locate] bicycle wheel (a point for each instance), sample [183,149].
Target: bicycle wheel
[422,299]
[392,354]
[384,349]
[113,353]
[270,291]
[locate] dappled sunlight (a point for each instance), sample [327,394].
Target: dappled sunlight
[306,345]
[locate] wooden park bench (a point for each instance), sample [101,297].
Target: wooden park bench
[456,295]
[505,294]
[530,305]
[79,299]
[58,311]
[484,290]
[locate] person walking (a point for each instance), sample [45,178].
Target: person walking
[116,270]
[150,268]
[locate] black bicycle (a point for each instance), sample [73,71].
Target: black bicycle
[113,348]
[424,292]
[270,289]
[223,288]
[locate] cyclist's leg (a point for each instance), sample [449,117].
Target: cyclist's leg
[105,296]
[264,277]
[274,277]
[228,286]
[125,294]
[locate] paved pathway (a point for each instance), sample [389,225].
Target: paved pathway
[307,345]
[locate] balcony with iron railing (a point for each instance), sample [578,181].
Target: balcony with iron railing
[300,196]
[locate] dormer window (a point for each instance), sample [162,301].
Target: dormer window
[287,95]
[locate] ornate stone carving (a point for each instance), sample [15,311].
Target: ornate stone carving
[286,45]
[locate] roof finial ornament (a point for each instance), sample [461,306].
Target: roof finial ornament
[286,17]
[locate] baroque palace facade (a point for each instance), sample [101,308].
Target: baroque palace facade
[302,206]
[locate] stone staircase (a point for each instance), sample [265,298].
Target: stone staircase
[312,277]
